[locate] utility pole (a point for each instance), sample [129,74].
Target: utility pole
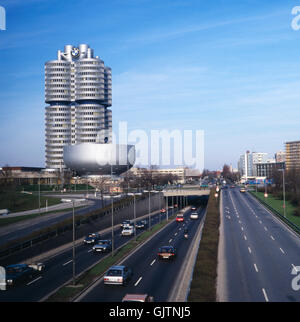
[74,272]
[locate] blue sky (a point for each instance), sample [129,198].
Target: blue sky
[230,68]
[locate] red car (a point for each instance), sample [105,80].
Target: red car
[179,218]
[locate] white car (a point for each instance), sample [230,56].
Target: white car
[128,231]
[194,215]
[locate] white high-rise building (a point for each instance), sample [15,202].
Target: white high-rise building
[247,162]
[78,91]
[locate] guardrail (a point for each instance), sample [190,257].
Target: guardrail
[279,215]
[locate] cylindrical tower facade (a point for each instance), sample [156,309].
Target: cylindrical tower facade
[78,91]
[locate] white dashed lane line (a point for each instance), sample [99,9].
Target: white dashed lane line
[138,281]
[35,280]
[68,262]
[265,295]
[153,262]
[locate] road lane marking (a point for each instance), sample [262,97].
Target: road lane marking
[153,262]
[265,295]
[256,268]
[242,228]
[249,249]
[266,229]
[282,250]
[137,282]
[272,237]
[175,234]
[90,250]
[294,268]
[170,240]
[35,280]
[245,237]
[68,262]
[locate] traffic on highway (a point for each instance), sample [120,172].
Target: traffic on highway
[57,270]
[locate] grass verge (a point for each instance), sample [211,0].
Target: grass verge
[203,286]
[16,201]
[277,205]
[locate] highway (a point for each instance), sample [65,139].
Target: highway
[258,252]
[59,268]
[151,275]
[26,227]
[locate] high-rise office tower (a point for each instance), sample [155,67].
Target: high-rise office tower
[78,93]
[292,155]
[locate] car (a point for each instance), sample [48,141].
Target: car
[118,275]
[92,238]
[102,246]
[193,208]
[126,223]
[167,252]
[163,210]
[243,190]
[194,215]
[37,267]
[138,298]
[179,218]
[17,274]
[232,187]
[127,231]
[141,224]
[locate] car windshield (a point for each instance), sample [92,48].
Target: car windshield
[13,270]
[114,272]
[166,250]
[103,242]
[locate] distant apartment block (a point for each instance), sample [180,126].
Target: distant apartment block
[267,169]
[280,156]
[247,162]
[292,155]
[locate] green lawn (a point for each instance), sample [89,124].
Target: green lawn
[16,201]
[277,204]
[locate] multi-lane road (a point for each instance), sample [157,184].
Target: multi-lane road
[151,275]
[59,267]
[257,254]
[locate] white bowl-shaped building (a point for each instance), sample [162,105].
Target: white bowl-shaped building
[99,159]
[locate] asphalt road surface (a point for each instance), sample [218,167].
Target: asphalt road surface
[259,253]
[59,269]
[151,275]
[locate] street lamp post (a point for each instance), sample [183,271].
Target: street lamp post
[283,191]
[74,272]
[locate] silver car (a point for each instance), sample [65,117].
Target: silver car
[117,275]
[102,246]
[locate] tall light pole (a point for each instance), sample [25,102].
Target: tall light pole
[39,193]
[283,191]
[74,272]
[112,217]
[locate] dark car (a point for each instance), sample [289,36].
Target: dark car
[167,252]
[102,246]
[141,224]
[92,238]
[18,274]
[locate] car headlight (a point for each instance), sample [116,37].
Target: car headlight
[9,282]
